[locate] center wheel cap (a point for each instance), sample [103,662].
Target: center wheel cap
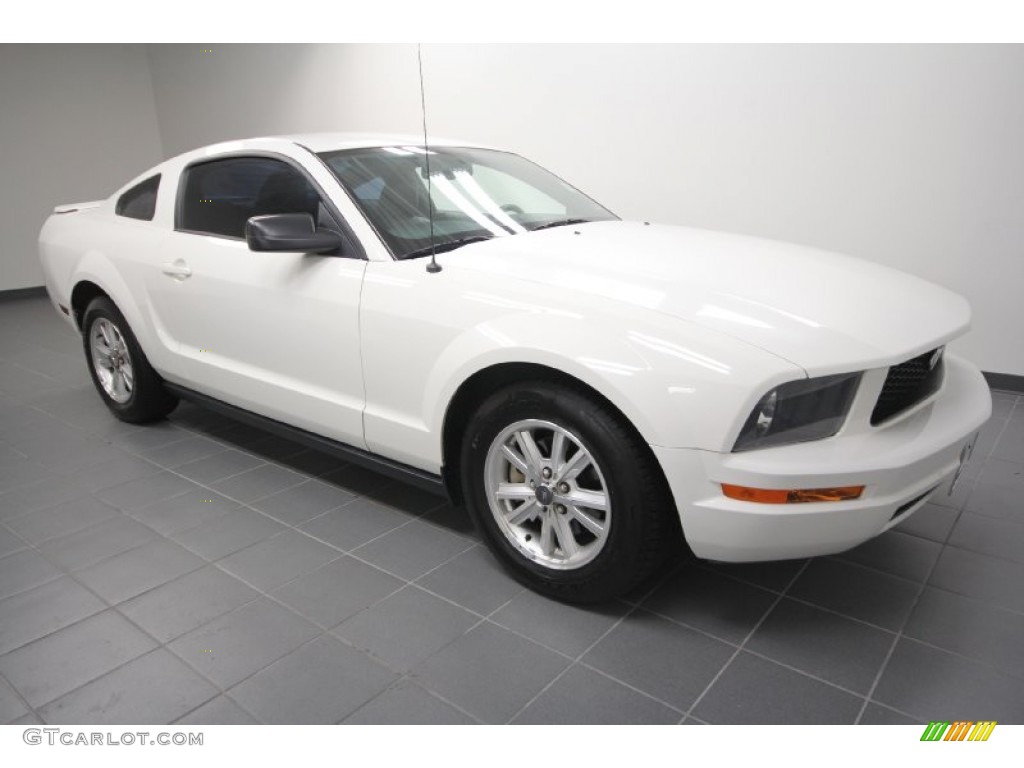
[544,496]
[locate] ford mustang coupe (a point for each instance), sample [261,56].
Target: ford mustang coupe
[587,387]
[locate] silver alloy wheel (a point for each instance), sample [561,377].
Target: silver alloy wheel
[547,494]
[111,360]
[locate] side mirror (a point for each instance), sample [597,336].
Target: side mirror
[289,232]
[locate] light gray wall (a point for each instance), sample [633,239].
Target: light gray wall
[76,122]
[907,155]
[241,91]
[911,156]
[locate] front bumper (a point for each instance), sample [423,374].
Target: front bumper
[900,464]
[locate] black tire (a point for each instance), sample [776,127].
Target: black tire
[146,399]
[642,523]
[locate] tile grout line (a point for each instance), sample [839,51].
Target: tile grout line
[632,609]
[407,678]
[482,620]
[323,631]
[164,645]
[781,596]
[115,606]
[109,607]
[262,593]
[1002,429]
[28,707]
[899,635]
[639,691]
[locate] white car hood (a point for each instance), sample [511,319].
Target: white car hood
[820,310]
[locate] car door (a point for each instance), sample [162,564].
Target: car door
[275,333]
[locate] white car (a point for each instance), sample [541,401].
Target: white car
[585,386]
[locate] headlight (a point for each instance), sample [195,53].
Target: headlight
[798,411]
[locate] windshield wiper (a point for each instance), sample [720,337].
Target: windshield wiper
[449,245]
[560,223]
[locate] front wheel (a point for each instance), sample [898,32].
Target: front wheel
[565,493]
[126,382]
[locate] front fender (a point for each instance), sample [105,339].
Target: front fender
[424,335]
[680,387]
[610,366]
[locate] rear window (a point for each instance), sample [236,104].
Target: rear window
[139,202]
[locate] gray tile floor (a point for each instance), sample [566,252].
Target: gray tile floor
[200,571]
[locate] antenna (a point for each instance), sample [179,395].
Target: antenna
[433,266]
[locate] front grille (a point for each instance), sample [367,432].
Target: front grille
[907,384]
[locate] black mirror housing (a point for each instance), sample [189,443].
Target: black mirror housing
[290,232]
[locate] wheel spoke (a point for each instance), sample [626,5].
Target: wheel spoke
[566,540]
[588,522]
[530,450]
[574,466]
[102,360]
[557,451]
[516,460]
[129,377]
[522,513]
[104,330]
[117,385]
[514,491]
[99,346]
[589,499]
[547,536]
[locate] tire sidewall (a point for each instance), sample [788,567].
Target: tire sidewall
[148,400]
[597,432]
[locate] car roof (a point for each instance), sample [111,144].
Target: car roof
[314,142]
[327,142]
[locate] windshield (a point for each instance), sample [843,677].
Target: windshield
[476,194]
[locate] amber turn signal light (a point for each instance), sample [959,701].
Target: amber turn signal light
[769,496]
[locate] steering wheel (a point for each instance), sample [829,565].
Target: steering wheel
[512,208]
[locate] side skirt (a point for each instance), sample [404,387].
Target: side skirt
[411,475]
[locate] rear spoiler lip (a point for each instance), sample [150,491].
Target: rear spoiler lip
[72,207]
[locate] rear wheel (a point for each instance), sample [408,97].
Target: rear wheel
[126,382]
[565,493]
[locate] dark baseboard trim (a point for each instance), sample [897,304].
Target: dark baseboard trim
[23,293]
[1006,381]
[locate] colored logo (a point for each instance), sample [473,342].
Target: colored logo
[961,730]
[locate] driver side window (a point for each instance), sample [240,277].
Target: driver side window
[219,196]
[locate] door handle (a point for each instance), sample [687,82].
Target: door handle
[179,270]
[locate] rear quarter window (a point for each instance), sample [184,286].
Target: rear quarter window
[139,202]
